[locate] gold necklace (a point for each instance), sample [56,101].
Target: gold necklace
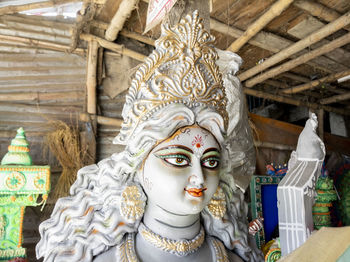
[176,247]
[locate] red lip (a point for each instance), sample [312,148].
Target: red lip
[196,192]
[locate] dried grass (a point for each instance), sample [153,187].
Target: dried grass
[64,143]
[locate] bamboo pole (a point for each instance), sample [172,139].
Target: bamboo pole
[41,44]
[298,46]
[315,83]
[102,120]
[114,47]
[274,11]
[31,96]
[334,99]
[117,22]
[264,40]
[91,77]
[300,60]
[12,9]
[292,101]
[319,10]
[126,33]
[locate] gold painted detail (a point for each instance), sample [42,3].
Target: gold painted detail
[180,70]
[125,250]
[132,204]
[220,250]
[176,247]
[217,205]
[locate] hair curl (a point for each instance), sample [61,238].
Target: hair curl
[88,222]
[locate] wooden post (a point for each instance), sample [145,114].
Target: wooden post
[91,77]
[298,46]
[274,11]
[316,82]
[334,99]
[320,118]
[300,60]
[117,22]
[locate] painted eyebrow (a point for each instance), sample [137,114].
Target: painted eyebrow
[175,147]
[211,150]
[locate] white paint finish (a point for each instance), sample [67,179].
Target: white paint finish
[296,191]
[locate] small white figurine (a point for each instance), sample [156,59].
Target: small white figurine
[170,195]
[296,192]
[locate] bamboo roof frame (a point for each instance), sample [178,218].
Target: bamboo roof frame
[275,10]
[298,46]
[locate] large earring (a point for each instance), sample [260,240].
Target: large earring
[132,204]
[217,205]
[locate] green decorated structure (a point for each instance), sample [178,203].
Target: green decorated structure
[21,183]
[325,195]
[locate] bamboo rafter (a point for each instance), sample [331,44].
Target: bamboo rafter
[300,60]
[316,82]
[319,10]
[274,11]
[334,99]
[298,46]
[118,20]
[114,47]
[293,101]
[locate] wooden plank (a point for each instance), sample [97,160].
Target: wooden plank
[37,78]
[298,61]
[274,131]
[41,44]
[274,11]
[75,95]
[12,9]
[298,46]
[319,10]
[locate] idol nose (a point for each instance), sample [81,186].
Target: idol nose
[197,177]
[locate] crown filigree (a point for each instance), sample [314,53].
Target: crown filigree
[181,69]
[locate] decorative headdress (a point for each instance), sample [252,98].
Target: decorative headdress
[180,70]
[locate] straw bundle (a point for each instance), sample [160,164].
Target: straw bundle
[64,143]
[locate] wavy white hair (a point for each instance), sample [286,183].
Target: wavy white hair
[89,222]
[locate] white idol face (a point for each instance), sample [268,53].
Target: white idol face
[181,174]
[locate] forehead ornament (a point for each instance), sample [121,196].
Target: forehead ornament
[181,70]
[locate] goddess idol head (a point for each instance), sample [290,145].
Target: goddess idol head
[171,193]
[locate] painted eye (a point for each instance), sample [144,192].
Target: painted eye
[210,163]
[177,161]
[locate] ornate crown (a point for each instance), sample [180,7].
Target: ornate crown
[181,69]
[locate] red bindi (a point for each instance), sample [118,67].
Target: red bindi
[198,145]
